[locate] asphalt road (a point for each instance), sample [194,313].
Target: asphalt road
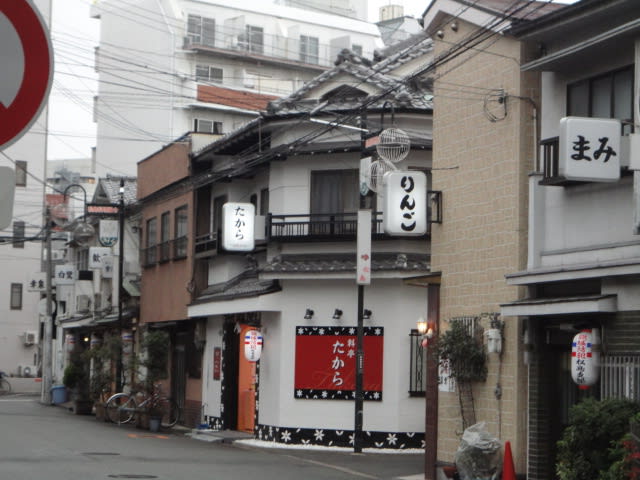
[43,442]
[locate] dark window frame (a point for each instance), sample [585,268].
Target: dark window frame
[15,299]
[181,235]
[19,228]
[21,173]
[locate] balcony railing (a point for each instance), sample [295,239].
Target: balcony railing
[206,244]
[550,161]
[149,256]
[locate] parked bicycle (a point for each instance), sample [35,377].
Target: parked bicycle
[122,407]
[5,386]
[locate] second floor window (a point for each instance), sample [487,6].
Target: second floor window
[18,234]
[16,296]
[604,96]
[201,30]
[208,73]
[164,236]
[334,191]
[152,232]
[309,49]
[180,247]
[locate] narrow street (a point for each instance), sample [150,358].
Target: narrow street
[47,442]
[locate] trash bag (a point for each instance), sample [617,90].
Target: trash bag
[479,456]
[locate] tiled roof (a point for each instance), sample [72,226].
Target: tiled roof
[110,186]
[328,263]
[244,285]
[362,69]
[402,52]
[233,98]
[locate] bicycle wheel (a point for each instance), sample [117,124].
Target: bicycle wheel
[5,386]
[170,413]
[121,408]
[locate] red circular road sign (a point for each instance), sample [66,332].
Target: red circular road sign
[26,68]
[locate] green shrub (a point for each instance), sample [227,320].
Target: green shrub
[589,446]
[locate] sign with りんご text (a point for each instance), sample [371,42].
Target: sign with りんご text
[405,203]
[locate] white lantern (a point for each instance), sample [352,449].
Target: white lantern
[252,345]
[585,358]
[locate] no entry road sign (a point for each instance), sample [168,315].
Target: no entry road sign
[26,67]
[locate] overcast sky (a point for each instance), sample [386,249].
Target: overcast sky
[75,35]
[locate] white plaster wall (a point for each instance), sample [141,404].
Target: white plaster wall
[395,307]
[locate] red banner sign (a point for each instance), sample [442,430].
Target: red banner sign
[325,363]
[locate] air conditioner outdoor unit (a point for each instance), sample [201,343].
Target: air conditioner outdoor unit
[27,370]
[29,338]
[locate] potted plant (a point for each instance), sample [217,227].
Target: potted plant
[76,379]
[103,357]
[155,345]
[463,354]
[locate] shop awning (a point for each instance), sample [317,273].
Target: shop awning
[560,306]
[77,321]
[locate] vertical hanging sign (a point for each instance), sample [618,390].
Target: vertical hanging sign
[238,227]
[363,262]
[405,203]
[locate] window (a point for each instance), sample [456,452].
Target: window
[308,49]
[16,296]
[18,234]
[21,173]
[201,30]
[208,73]
[334,193]
[357,49]
[151,251]
[417,366]
[264,201]
[605,96]
[164,237]
[180,247]
[207,126]
[252,40]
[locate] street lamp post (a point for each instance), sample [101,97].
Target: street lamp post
[119,367]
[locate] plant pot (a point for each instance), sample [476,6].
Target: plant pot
[154,424]
[101,411]
[82,407]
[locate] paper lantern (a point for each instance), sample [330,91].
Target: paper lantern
[585,358]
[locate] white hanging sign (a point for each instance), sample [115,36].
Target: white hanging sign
[97,256]
[405,203]
[252,345]
[65,274]
[107,266]
[238,233]
[108,233]
[589,149]
[585,358]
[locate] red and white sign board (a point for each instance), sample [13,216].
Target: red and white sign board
[585,358]
[252,345]
[26,68]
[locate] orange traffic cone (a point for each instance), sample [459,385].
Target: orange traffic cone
[508,468]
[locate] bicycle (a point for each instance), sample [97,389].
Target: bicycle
[122,407]
[5,386]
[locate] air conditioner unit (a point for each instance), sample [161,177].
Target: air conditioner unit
[27,370]
[29,338]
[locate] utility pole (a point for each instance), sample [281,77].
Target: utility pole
[45,394]
[119,366]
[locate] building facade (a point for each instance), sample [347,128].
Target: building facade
[167,67]
[582,268]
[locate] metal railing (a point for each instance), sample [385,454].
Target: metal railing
[620,376]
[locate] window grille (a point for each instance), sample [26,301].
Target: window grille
[620,377]
[417,365]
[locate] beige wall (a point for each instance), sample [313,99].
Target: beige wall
[481,166]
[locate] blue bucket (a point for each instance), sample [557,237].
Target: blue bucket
[58,394]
